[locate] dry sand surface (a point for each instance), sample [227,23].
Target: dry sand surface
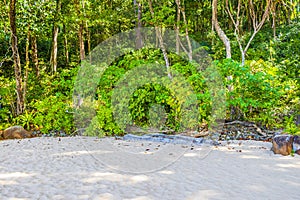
[91,168]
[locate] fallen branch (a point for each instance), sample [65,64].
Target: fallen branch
[248,124]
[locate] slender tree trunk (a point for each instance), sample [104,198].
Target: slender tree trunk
[161,42]
[66,45]
[274,24]
[218,29]
[54,50]
[290,10]
[54,41]
[35,55]
[26,66]
[177,27]
[226,43]
[81,42]
[190,51]
[139,41]
[80,30]
[273,12]
[88,36]
[16,57]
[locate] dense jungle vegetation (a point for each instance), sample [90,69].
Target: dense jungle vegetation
[253,44]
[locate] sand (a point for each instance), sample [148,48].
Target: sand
[92,168]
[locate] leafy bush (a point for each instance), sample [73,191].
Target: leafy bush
[52,113]
[290,126]
[254,95]
[6,101]
[48,105]
[151,98]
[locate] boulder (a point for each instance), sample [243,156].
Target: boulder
[15,132]
[296,144]
[282,144]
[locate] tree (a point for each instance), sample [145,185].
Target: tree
[177,26]
[160,39]
[258,19]
[139,41]
[80,29]
[219,30]
[16,57]
[35,58]
[55,36]
[181,9]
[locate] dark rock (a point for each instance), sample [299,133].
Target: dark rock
[282,144]
[158,137]
[296,144]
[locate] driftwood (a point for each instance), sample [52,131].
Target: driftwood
[151,130]
[195,134]
[248,124]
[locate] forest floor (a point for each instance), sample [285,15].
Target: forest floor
[92,168]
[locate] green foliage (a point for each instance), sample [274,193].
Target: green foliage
[290,126]
[53,105]
[254,95]
[143,98]
[26,120]
[150,93]
[266,90]
[52,113]
[287,52]
[6,101]
[282,51]
[48,103]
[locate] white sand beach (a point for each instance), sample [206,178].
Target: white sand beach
[92,168]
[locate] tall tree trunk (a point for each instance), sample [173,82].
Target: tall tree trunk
[161,42]
[88,36]
[35,55]
[139,41]
[54,40]
[81,42]
[218,29]
[190,51]
[26,65]
[290,10]
[66,45]
[54,50]
[80,30]
[226,43]
[177,27]
[273,12]
[16,57]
